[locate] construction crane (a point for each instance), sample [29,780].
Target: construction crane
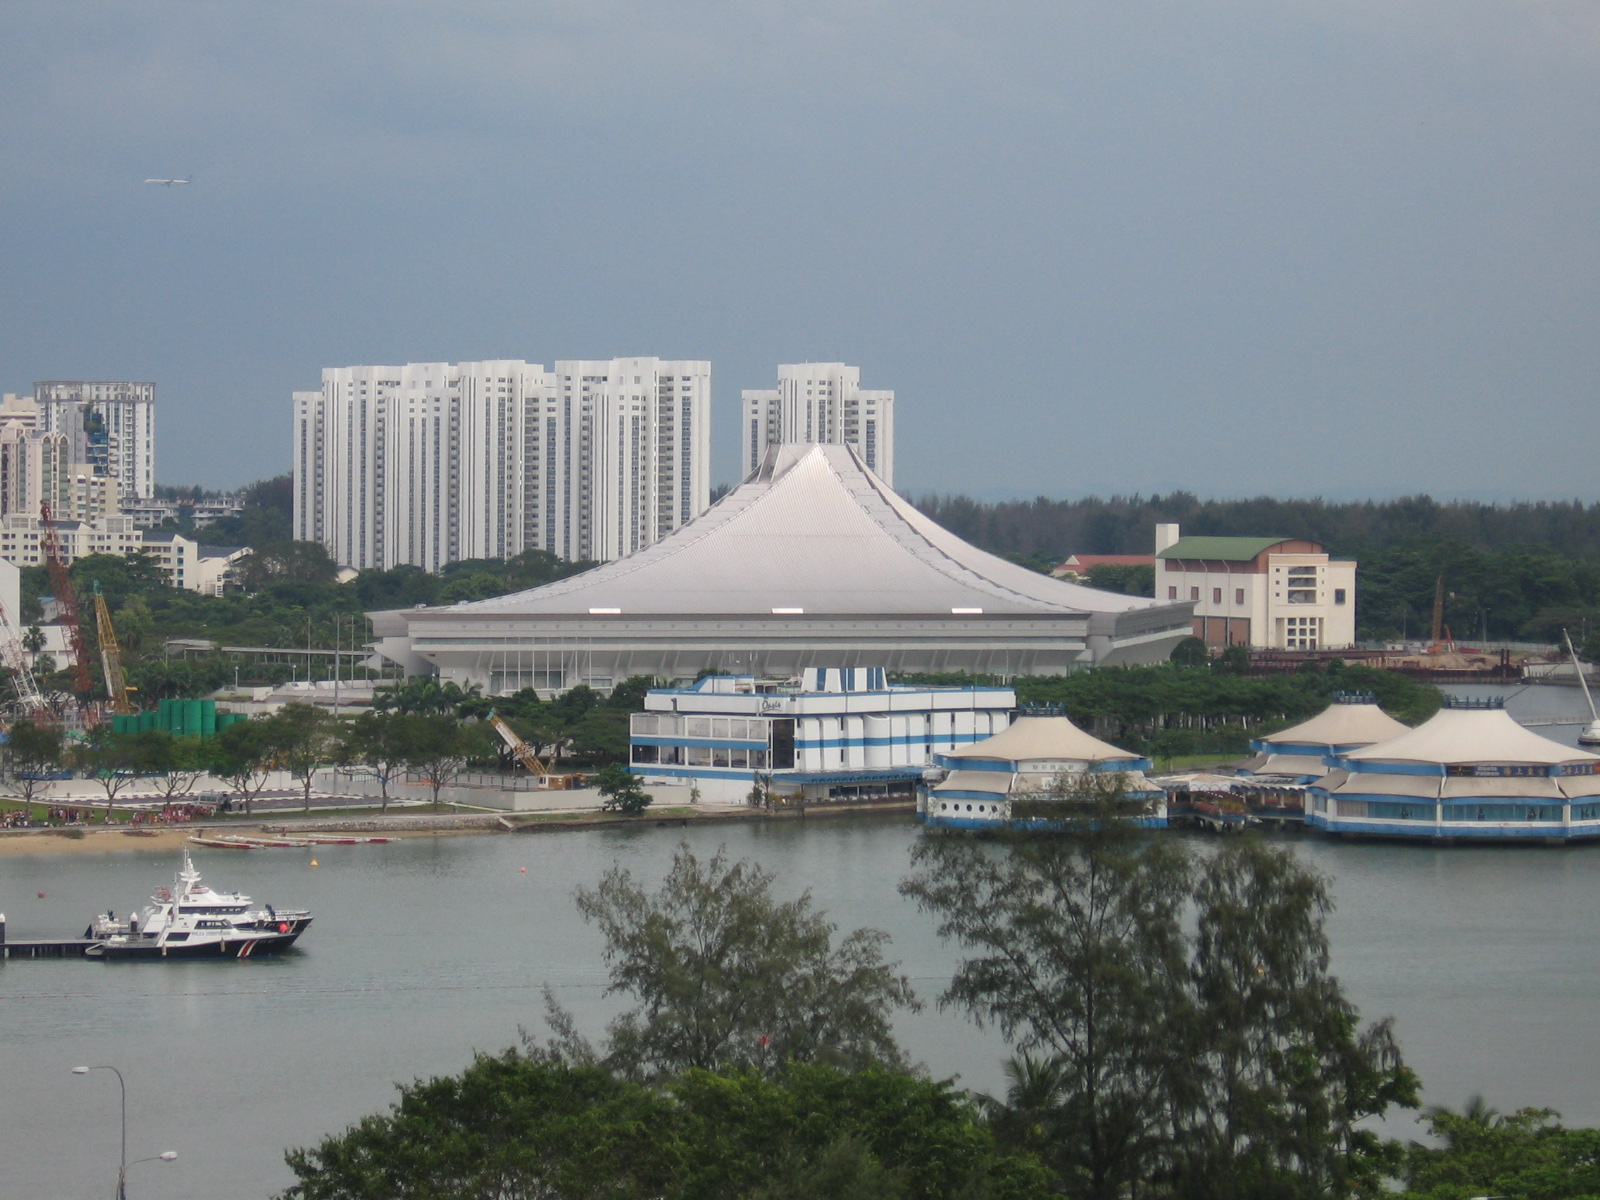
[30,698]
[67,598]
[111,656]
[523,752]
[1442,638]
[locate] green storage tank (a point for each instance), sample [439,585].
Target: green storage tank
[208,718]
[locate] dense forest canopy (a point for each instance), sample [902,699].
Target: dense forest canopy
[1126,524]
[1515,571]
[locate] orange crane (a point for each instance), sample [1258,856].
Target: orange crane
[67,598]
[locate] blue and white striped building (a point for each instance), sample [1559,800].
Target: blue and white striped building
[1306,752]
[1470,773]
[1023,765]
[835,734]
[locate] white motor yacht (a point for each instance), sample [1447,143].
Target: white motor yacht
[190,920]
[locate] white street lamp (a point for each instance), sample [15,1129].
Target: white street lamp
[123,1163]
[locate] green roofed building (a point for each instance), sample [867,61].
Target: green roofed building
[1268,592]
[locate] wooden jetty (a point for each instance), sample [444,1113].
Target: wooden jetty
[36,948]
[53,948]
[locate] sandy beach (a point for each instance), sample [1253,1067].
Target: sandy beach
[88,840]
[100,840]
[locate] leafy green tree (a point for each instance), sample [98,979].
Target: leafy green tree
[527,1126]
[480,585]
[378,744]
[574,703]
[601,734]
[133,622]
[441,749]
[1225,1063]
[727,975]
[241,756]
[1282,1076]
[283,562]
[1190,652]
[423,695]
[30,752]
[1234,660]
[266,518]
[111,759]
[1131,579]
[1526,1155]
[174,764]
[630,693]
[119,576]
[1076,953]
[306,739]
[623,791]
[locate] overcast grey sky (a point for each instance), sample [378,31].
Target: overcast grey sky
[1302,247]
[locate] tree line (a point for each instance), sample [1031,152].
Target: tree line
[1510,572]
[1200,705]
[438,732]
[1126,524]
[1175,1032]
[288,596]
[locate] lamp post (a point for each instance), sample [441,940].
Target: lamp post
[122,1163]
[123,1085]
[122,1183]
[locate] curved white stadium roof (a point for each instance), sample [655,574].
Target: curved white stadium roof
[814,532]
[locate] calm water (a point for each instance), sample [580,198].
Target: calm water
[427,950]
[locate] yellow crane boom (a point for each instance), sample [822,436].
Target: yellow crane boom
[524,753]
[110,656]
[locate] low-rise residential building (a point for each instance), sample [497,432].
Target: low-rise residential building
[1276,593]
[835,734]
[199,513]
[193,565]
[188,563]
[1077,566]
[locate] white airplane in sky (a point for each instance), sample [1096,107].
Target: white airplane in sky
[170,182]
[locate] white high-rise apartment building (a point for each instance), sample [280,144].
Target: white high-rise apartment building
[821,402]
[111,429]
[434,462]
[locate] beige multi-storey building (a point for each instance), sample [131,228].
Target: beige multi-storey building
[38,468]
[1275,593]
[821,403]
[432,463]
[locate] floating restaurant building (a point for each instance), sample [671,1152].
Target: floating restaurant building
[1469,773]
[835,735]
[988,782]
[812,559]
[1306,752]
